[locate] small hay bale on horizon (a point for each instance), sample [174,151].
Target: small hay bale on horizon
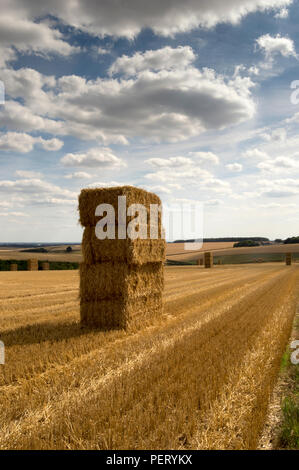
[289,259]
[32,265]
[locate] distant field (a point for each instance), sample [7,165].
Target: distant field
[199,377]
[177,249]
[54,254]
[174,252]
[232,255]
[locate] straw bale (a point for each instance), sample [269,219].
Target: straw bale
[32,264]
[121,313]
[45,266]
[289,258]
[128,251]
[90,198]
[208,259]
[13,267]
[111,280]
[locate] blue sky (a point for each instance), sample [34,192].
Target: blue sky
[191,100]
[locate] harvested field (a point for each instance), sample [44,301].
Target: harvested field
[237,255]
[198,377]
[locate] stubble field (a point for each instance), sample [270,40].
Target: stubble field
[200,377]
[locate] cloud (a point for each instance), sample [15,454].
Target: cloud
[164,105]
[102,51]
[17,117]
[159,189]
[162,59]
[93,158]
[255,153]
[13,214]
[24,143]
[36,191]
[234,167]
[172,162]
[28,174]
[101,184]
[78,175]
[279,164]
[18,29]
[17,142]
[183,171]
[277,135]
[273,45]
[128,19]
[283,13]
[205,157]
[213,202]
[279,188]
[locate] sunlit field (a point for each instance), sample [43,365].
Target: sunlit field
[200,377]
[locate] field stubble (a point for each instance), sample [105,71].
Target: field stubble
[199,377]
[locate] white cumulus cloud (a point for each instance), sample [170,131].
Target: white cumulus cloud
[93,158]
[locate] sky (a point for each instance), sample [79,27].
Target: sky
[197,101]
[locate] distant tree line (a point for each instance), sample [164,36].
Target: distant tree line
[226,239]
[22,265]
[291,240]
[246,243]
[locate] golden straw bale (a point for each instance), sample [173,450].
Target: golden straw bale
[121,313]
[112,280]
[32,264]
[14,267]
[128,251]
[208,258]
[90,198]
[289,258]
[45,266]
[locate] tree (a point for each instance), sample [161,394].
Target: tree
[69,249]
[291,240]
[246,243]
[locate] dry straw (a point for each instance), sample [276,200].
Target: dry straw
[32,265]
[125,251]
[45,266]
[120,313]
[289,259]
[121,280]
[89,199]
[111,280]
[14,267]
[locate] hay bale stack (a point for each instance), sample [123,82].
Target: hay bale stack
[208,259]
[289,258]
[121,280]
[13,267]
[32,265]
[45,266]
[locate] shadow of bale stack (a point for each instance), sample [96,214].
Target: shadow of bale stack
[121,280]
[208,257]
[45,266]
[13,267]
[32,265]
[289,259]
